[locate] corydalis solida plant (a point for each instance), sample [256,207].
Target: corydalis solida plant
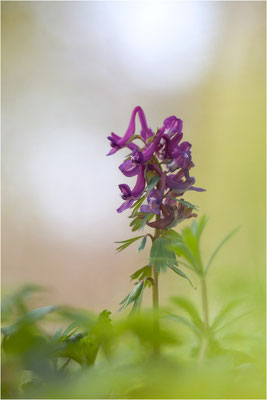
[161,163]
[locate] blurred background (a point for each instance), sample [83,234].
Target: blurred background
[71,73]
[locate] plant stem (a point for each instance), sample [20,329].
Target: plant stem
[204,343]
[155,298]
[204,303]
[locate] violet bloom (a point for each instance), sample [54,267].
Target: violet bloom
[130,167]
[181,157]
[172,125]
[155,197]
[118,142]
[131,195]
[154,200]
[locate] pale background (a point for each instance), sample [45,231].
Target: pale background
[71,73]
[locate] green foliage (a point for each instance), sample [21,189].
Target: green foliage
[139,222]
[142,244]
[16,302]
[132,296]
[161,255]
[218,248]
[127,243]
[142,273]
[28,318]
[91,356]
[181,273]
[136,205]
[190,309]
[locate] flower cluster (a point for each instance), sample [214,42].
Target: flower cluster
[163,159]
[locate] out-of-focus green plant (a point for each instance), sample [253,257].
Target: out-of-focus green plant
[187,247]
[94,356]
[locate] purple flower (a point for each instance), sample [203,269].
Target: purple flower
[181,157]
[130,167]
[180,186]
[172,125]
[155,197]
[154,200]
[166,156]
[131,195]
[118,142]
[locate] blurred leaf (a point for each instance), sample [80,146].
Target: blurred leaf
[142,244]
[237,318]
[198,226]
[161,255]
[219,247]
[224,313]
[183,320]
[172,235]
[17,299]
[181,273]
[127,243]
[189,307]
[29,318]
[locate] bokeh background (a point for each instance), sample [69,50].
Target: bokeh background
[71,73]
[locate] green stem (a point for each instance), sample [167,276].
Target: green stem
[155,298]
[204,343]
[204,303]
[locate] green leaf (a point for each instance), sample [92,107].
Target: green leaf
[138,302]
[182,274]
[152,183]
[232,321]
[142,273]
[188,307]
[219,247]
[146,218]
[133,295]
[127,243]
[161,255]
[29,318]
[172,236]
[224,313]
[142,244]
[183,320]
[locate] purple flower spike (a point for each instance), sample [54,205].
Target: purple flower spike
[131,195]
[118,142]
[161,155]
[172,125]
[154,200]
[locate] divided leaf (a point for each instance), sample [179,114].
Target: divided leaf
[142,244]
[190,309]
[219,247]
[142,273]
[181,273]
[127,243]
[132,296]
[161,255]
